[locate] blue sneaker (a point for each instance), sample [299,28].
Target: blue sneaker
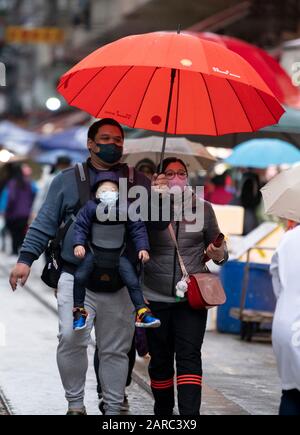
[145,319]
[80,316]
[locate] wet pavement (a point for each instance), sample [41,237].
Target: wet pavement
[239,378]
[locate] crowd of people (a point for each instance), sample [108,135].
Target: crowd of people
[173,330]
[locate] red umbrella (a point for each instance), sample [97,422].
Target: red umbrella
[174,83]
[269,69]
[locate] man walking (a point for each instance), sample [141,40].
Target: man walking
[112,314]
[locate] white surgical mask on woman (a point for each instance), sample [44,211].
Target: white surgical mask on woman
[179,182]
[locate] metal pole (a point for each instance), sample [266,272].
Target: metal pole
[173,74]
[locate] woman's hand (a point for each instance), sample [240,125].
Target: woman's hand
[160,184]
[79,251]
[144,256]
[160,181]
[216,254]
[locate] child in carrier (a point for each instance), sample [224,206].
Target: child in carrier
[90,233]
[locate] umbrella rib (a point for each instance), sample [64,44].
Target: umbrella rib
[177,105]
[142,100]
[85,85]
[210,102]
[265,104]
[248,119]
[114,88]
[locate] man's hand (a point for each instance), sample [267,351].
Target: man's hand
[20,273]
[216,254]
[144,256]
[159,182]
[79,251]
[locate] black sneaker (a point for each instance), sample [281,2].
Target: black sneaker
[81,411]
[101,407]
[125,405]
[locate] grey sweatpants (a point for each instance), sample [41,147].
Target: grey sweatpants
[112,315]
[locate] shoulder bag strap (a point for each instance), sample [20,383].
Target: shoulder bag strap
[181,262]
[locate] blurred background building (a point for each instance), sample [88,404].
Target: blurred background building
[40,39]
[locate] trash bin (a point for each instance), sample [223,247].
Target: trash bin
[260,294]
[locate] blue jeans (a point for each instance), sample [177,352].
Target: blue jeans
[126,271]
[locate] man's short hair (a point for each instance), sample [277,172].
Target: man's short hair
[94,128]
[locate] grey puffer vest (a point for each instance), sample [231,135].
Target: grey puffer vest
[163,270]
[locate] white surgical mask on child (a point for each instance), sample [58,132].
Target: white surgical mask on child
[108,198]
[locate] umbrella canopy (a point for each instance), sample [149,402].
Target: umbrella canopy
[262,153]
[281,195]
[270,70]
[16,139]
[74,138]
[175,83]
[194,154]
[288,123]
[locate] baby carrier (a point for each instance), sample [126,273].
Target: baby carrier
[105,276]
[107,245]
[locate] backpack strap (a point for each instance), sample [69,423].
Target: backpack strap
[84,191]
[83,183]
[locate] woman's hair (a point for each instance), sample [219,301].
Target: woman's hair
[250,194]
[18,176]
[170,160]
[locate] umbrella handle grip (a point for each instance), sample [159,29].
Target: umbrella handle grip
[217,243]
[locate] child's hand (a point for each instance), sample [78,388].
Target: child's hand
[144,256]
[79,251]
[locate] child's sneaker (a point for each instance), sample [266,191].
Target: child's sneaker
[80,317]
[145,319]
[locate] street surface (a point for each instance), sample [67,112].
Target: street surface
[240,378]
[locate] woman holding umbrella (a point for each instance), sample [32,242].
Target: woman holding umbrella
[182,328]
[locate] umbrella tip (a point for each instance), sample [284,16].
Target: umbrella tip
[179,28]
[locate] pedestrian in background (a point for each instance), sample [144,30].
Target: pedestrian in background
[62,162]
[20,193]
[286,323]
[220,195]
[146,167]
[249,198]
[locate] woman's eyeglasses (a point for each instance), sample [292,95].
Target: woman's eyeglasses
[171,174]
